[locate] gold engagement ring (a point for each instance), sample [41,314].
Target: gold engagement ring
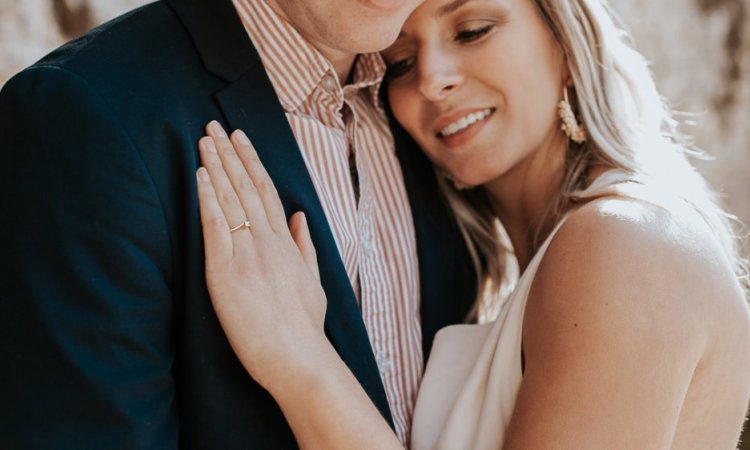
[245,224]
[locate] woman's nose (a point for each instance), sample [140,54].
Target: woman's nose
[439,75]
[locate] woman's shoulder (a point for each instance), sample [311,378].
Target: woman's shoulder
[666,241]
[631,268]
[620,229]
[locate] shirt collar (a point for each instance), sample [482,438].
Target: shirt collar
[368,73]
[295,67]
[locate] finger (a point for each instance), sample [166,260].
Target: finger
[301,235]
[216,239]
[263,182]
[238,177]
[228,200]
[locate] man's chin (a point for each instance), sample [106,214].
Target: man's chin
[384,5]
[380,41]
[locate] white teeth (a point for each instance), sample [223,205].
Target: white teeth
[464,122]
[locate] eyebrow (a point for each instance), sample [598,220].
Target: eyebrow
[450,7]
[444,11]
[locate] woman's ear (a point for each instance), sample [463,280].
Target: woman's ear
[567,78]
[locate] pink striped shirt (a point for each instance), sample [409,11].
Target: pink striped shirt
[375,236]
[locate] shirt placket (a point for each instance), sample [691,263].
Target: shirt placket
[376,308]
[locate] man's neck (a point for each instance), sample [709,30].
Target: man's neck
[341,61]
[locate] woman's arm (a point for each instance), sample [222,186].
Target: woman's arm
[617,320]
[265,288]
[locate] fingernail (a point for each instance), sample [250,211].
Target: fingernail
[242,137]
[208,144]
[202,174]
[217,129]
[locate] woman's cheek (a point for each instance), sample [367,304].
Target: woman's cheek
[403,110]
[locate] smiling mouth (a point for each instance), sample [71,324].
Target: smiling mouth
[465,122]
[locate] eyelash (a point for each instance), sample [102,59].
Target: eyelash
[473,34]
[399,68]
[402,67]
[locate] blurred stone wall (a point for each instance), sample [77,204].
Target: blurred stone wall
[699,49]
[29,29]
[700,55]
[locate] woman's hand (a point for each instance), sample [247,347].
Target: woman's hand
[264,284]
[263,278]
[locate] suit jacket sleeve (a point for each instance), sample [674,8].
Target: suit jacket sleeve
[86,311]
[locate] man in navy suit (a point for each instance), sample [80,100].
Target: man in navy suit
[107,335]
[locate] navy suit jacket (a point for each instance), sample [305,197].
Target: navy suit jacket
[107,334]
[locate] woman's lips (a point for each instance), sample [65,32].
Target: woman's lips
[464,127]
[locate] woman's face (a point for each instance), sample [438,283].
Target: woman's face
[477,83]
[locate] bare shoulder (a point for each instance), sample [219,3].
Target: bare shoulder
[636,273]
[633,308]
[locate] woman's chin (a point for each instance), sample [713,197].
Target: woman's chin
[464,182]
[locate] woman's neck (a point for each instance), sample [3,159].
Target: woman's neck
[523,203]
[526,221]
[522,196]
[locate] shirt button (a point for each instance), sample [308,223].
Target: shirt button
[366,244]
[329,84]
[367,247]
[384,363]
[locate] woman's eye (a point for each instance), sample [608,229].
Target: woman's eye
[400,68]
[473,34]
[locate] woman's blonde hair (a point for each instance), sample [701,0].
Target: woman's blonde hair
[629,127]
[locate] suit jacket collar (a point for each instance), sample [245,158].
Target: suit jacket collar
[219,37]
[447,276]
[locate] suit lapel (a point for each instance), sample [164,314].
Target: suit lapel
[447,277]
[250,103]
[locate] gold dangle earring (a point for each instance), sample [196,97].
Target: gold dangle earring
[570,125]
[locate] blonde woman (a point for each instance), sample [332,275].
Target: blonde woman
[628,327]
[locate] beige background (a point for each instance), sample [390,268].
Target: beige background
[699,49]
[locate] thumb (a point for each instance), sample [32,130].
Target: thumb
[301,235]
